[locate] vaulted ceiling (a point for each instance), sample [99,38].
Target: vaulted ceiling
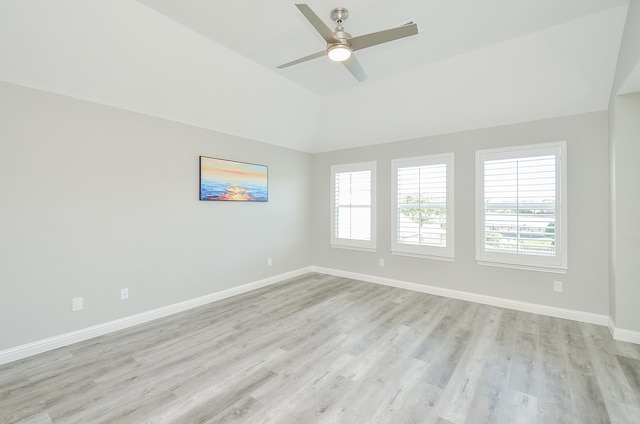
[213,64]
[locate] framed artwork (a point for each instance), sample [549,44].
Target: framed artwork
[227,180]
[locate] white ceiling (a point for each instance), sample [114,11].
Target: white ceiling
[213,64]
[632,83]
[275,32]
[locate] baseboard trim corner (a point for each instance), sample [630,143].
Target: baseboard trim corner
[551,311]
[622,334]
[40,346]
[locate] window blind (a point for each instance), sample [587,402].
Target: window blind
[353,205]
[422,205]
[520,205]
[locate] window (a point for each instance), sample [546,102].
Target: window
[422,214]
[353,199]
[521,208]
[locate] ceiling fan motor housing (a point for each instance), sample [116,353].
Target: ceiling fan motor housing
[342,35]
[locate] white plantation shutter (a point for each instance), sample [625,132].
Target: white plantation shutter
[353,200]
[520,204]
[353,205]
[521,214]
[423,206]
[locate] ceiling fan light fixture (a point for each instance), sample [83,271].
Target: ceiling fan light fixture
[340,44]
[339,52]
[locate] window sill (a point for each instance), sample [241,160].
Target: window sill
[423,256]
[540,268]
[360,248]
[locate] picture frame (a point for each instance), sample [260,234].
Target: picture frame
[229,180]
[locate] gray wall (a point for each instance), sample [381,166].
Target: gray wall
[94,199]
[585,284]
[629,55]
[624,132]
[625,224]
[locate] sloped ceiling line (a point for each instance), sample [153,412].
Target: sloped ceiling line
[212,65]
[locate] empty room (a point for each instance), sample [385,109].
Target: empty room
[354,212]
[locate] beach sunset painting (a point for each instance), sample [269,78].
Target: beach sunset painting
[229,180]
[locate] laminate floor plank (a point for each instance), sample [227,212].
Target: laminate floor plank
[459,392]
[322,400]
[520,408]
[578,358]
[423,308]
[414,403]
[588,402]
[488,403]
[554,394]
[321,349]
[437,339]
[37,419]
[489,399]
[315,396]
[613,376]
[525,366]
[631,370]
[443,366]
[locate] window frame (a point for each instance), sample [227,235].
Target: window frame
[347,243]
[424,251]
[556,263]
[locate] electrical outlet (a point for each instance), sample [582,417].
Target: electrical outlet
[76,304]
[557,286]
[269,262]
[124,294]
[381,261]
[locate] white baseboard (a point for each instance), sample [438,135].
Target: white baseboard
[29,349]
[612,326]
[623,335]
[473,297]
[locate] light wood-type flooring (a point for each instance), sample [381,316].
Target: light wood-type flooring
[323,349]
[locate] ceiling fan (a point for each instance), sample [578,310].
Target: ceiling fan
[341,45]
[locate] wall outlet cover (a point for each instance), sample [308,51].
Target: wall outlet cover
[77,304]
[557,286]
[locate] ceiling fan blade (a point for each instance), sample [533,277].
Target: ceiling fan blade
[317,23]
[303,59]
[355,68]
[375,38]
